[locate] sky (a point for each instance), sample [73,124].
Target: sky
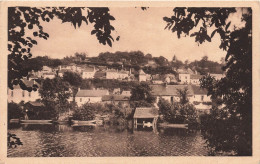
[138,30]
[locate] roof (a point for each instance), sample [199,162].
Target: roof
[100,74]
[28,83]
[169,90]
[91,93]
[146,112]
[195,76]
[88,69]
[50,73]
[199,91]
[115,98]
[111,70]
[35,103]
[123,72]
[141,72]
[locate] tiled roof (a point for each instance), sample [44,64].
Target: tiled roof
[91,93]
[146,112]
[169,90]
[199,91]
[115,98]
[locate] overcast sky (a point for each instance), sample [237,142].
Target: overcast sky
[138,30]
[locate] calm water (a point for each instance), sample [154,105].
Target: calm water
[67,141]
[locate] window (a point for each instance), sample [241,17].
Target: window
[29,93]
[23,93]
[202,97]
[185,77]
[80,99]
[12,93]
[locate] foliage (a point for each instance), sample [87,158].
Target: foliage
[13,141]
[14,111]
[177,112]
[74,79]
[85,113]
[55,93]
[23,19]
[141,96]
[235,90]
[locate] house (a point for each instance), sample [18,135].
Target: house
[184,77]
[142,75]
[61,72]
[111,74]
[170,92]
[217,76]
[200,94]
[126,93]
[116,99]
[170,78]
[46,69]
[100,75]
[123,74]
[146,116]
[157,79]
[88,73]
[90,96]
[50,75]
[17,94]
[116,91]
[195,79]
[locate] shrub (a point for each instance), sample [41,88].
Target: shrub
[86,112]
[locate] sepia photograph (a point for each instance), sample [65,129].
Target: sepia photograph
[130,81]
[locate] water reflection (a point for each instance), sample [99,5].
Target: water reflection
[79,141]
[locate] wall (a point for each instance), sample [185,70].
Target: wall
[18,95]
[87,100]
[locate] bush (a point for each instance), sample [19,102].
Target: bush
[84,113]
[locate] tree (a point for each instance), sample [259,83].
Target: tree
[141,95]
[235,89]
[55,93]
[85,113]
[74,79]
[21,19]
[178,112]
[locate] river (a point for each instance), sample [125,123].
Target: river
[106,141]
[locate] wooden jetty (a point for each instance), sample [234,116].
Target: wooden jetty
[167,125]
[36,121]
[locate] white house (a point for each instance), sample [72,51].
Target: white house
[142,75]
[17,94]
[195,79]
[126,93]
[88,73]
[200,94]
[123,74]
[170,92]
[184,77]
[112,74]
[90,96]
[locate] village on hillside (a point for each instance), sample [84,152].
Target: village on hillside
[99,85]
